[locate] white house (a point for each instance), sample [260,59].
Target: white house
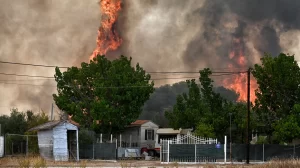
[58,140]
[140,133]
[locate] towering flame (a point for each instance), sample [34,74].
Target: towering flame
[108,38]
[239,82]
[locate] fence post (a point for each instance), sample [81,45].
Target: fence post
[225,148]
[168,154]
[121,140]
[160,152]
[263,152]
[93,151]
[130,141]
[100,138]
[195,153]
[111,138]
[294,152]
[5,143]
[27,145]
[12,148]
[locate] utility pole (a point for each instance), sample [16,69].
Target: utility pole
[230,139]
[248,115]
[51,112]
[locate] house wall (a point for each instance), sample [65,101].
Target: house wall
[45,142]
[144,127]
[60,144]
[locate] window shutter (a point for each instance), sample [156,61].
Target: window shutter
[152,132]
[146,131]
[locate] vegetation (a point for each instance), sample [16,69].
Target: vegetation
[278,80]
[275,111]
[205,110]
[103,95]
[25,120]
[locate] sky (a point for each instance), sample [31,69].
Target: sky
[165,35]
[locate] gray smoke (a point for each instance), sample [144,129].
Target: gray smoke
[51,32]
[193,34]
[162,35]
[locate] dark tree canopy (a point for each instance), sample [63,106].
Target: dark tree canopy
[19,122]
[104,95]
[205,110]
[278,80]
[164,98]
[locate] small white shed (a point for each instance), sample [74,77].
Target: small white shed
[58,140]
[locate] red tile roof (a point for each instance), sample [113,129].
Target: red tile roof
[139,122]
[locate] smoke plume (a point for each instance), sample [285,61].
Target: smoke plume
[50,32]
[193,34]
[162,35]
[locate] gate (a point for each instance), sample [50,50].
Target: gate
[190,148]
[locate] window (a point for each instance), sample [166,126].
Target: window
[149,134]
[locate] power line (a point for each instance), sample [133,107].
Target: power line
[49,77]
[28,64]
[24,75]
[64,67]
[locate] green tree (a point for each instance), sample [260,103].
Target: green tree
[288,128]
[104,95]
[34,120]
[278,80]
[202,108]
[205,130]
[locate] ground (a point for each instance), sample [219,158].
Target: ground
[38,162]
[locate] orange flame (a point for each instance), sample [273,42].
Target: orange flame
[108,38]
[239,82]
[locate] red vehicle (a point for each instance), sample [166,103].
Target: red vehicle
[153,152]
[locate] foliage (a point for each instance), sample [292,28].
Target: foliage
[104,95]
[86,136]
[205,110]
[288,128]
[25,121]
[205,130]
[278,80]
[262,140]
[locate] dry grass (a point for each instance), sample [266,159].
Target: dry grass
[37,162]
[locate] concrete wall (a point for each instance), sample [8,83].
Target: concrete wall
[45,141]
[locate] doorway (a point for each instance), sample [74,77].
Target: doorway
[72,144]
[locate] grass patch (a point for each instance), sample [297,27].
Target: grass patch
[23,162]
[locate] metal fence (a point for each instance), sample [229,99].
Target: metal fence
[121,139]
[190,148]
[264,152]
[103,151]
[16,144]
[194,149]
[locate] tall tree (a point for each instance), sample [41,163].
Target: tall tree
[105,95]
[202,108]
[278,80]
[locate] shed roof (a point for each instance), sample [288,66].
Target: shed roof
[52,124]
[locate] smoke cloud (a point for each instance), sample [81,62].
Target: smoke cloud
[51,32]
[192,34]
[162,35]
